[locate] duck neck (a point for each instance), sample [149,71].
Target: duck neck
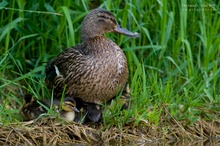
[88,34]
[98,45]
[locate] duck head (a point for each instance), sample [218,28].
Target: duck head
[99,22]
[69,105]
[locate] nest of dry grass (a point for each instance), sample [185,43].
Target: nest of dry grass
[54,133]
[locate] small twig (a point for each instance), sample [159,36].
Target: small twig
[28,123]
[25,139]
[8,135]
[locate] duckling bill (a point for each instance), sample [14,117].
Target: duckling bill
[95,70]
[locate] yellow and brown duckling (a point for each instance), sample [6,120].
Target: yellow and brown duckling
[94,71]
[68,110]
[124,101]
[32,108]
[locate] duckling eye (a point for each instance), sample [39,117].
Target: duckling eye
[25,110]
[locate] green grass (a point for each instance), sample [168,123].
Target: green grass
[174,66]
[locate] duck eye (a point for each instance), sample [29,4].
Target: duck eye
[105,17]
[101,20]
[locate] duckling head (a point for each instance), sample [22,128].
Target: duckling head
[69,109]
[99,22]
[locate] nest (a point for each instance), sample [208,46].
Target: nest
[55,133]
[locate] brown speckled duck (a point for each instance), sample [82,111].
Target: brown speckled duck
[94,71]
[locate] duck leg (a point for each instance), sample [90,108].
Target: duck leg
[94,111]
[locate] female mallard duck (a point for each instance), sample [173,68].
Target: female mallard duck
[94,71]
[32,108]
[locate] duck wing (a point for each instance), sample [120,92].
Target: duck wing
[59,68]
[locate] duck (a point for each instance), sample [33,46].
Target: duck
[124,101]
[33,108]
[68,110]
[94,71]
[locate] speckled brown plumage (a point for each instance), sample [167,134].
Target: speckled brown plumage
[92,78]
[94,71]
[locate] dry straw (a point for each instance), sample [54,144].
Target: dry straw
[53,133]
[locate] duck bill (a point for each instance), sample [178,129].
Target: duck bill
[124,31]
[76,110]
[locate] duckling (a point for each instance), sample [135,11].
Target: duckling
[94,71]
[68,112]
[32,108]
[124,100]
